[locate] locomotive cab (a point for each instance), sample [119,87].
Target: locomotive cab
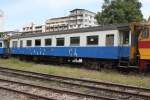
[140,45]
[144,47]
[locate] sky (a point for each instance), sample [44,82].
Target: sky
[21,12]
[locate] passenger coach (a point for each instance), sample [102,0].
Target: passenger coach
[95,43]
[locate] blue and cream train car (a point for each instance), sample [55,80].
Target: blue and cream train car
[102,43]
[1,46]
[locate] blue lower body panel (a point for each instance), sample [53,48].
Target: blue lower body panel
[82,52]
[1,51]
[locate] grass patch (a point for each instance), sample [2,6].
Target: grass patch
[104,75]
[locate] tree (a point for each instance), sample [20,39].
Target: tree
[120,11]
[1,33]
[149,18]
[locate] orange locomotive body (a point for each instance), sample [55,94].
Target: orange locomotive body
[144,47]
[140,48]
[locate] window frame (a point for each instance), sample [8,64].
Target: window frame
[14,45]
[145,36]
[125,38]
[36,42]
[21,43]
[48,39]
[92,44]
[1,45]
[75,44]
[30,43]
[106,41]
[60,39]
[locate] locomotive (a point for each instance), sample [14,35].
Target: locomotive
[119,45]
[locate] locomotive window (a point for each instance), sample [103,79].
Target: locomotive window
[29,43]
[145,33]
[0,44]
[92,40]
[21,44]
[14,44]
[60,41]
[110,40]
[74,41]
[37,42]
[48,42]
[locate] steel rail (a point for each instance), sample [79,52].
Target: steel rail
[52,89]
[47,77]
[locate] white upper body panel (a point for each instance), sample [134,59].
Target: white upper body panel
[83,38]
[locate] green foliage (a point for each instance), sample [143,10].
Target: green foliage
[1,33]
[149,18]
[120,11]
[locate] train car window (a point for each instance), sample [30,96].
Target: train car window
[37,42]
[145,33]
[14,44]
[21,44]
[126,37]
[74,41]
[110,40]
[29,43]
[48,42]
[60,42]
[92,40]
[0,44]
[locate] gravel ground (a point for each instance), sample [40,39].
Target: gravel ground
[59,86]
[28,89]
[7,95]
[55,85]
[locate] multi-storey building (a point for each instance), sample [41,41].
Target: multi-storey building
[78,18]
[57,24]
[33,28]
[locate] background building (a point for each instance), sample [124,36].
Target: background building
[1,21]
[32,28]
[56,24]
[78,18]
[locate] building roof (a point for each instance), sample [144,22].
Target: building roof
[57,18]
[82,10]
[79,30]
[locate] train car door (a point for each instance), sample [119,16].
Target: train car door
[7,51]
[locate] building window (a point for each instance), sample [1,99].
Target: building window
[74,41]
[60,41]
[37,42]
[110,40]
[48,42]
[29,43]
[86,15]
[92,40]
[14,44]
[0,44]
[21,44]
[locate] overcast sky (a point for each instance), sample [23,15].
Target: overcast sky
[20,12]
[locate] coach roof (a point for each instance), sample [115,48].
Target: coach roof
[79,30]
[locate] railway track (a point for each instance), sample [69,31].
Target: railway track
[37,91]
[115,91]
[30,95]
